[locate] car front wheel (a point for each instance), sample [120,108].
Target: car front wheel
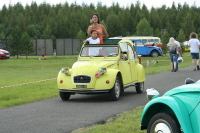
[116,90]
[65,95]
[154,54]
[139,87]
[163,123]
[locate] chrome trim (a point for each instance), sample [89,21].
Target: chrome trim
[85,91]
[130,84]
[102,60]
[82,83]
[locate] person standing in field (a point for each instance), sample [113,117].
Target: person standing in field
[95,25]
[54,52]
[194,45]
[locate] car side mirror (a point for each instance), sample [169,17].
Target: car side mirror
[152,93]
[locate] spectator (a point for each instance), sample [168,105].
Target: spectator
[178,51]
[93,40]
[95,25]
[54,52]
[173,47]
[194,45]
[44,57]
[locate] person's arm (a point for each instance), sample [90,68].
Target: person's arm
[89,29]
[199,44]
[105,34]
[98,41]
[85,41]
[179,49]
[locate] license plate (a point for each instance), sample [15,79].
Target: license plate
[7,55]
[81,86]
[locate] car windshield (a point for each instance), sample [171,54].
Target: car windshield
[99,51]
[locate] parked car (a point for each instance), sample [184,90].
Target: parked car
[144,50]
[186,46]
[141,48]
[177,111]
[154,44]
[105,68]
[4,54]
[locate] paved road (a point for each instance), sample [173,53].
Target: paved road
[56,116]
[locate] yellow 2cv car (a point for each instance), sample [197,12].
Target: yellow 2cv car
[103,68]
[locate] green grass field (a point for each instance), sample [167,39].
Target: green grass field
[21,71]
[28,80]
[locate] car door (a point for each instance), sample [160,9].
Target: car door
[140,47]
[133,62]
[124,65]
[195,118]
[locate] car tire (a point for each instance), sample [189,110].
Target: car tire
[65,95]
[154,54]
[139,87]
[163,122]
[115,92]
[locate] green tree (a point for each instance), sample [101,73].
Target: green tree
[144,28]
[114,25]
[2,35]
[14,42]
[188,25]
[155,20]
[34,31]
[181,39]
[27,44]
[82,37]
[181,36]
[157,33]
[47,33]
[170,29]
[165,40]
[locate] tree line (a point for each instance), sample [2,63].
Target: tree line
[66,20]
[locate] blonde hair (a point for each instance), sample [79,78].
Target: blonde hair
[172,41]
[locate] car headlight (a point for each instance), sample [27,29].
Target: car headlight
[152,93]
[1,52]
[102,70]
[65,70]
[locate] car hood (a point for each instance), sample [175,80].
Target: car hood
[1,50]
[87,67]
[189,88]
[189,94]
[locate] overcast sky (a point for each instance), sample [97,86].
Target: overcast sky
[148,3]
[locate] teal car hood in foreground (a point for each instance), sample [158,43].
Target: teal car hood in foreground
[182,103]
[188,94]
[184,89]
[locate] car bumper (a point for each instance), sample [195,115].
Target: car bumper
[4,56]
[85,91]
